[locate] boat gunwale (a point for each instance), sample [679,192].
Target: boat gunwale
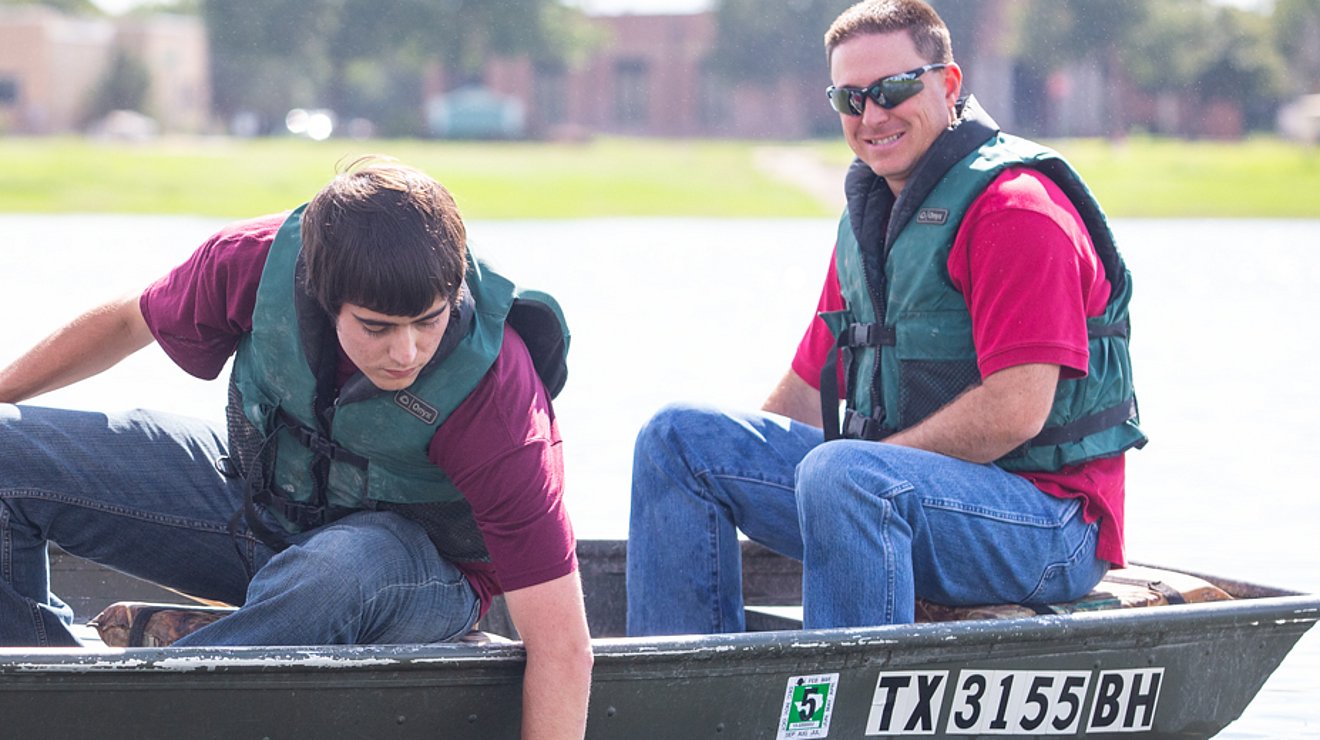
[1122,628]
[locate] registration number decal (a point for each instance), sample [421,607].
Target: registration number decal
[808,704]
[988,702]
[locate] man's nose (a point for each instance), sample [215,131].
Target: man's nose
[403,345]
[873,113]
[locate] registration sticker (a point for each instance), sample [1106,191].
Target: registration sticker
[808,704]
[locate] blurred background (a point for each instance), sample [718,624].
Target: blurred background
[553,69]
[671,172]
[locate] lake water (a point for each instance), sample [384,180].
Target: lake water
[1224,348]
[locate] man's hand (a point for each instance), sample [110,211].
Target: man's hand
[89,344]
[552,621]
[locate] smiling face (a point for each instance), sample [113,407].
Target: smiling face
[892,141]
[391,350]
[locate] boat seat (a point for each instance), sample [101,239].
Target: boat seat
[1121,588]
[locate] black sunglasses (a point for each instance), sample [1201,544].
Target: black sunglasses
[887,92]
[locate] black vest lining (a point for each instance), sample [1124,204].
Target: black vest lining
[970,131]
[539,328]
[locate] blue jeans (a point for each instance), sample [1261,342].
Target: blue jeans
[875,525]
[139,492]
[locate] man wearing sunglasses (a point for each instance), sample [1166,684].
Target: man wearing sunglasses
[973,322]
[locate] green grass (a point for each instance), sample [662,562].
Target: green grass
[606,177]
[1138,177]
[1158,178]
[1145,177]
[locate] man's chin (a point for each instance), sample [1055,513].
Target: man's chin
[391,383]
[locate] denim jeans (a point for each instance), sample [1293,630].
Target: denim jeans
[139,492]
[875,525]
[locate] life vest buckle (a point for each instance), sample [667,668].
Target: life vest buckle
[868,335]
[858,426]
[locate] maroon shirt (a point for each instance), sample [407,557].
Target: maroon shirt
[500,447]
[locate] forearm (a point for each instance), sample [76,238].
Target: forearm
[91,343]
[988,420]
[794,398]
[552,621]
[963,429]
[555,693]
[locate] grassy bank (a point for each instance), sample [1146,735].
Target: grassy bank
[609,177]
[1143,177]
[606,177]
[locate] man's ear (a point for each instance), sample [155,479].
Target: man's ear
[952,83]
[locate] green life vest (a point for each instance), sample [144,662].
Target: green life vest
[906,334]
[311,454]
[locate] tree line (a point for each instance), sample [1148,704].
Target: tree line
[1194,49]
[369,58]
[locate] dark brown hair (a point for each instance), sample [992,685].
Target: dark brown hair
[384,236]
[922,23]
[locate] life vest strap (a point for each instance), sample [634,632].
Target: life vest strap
[855,425]
[319,444]
[1119,329]
[859,426]
[1077,429]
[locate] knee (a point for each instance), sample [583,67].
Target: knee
[824,469]
[10,417]
[837,472]
[672,425]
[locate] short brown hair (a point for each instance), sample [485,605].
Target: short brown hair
[384,236]
[922,23]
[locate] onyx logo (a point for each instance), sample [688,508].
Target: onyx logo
[932,216]
[416,406]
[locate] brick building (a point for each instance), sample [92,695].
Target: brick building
[51,63]
[651,76]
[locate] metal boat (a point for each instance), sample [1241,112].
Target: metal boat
[1167,670]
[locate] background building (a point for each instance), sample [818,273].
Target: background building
[52,66]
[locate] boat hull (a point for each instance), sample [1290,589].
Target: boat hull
[1181,671]
[1169,671]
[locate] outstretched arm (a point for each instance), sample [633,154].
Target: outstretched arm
[552,622]
[89,344]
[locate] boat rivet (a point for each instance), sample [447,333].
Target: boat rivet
[719,727]
[472,718]
[610,711]
[399,719]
